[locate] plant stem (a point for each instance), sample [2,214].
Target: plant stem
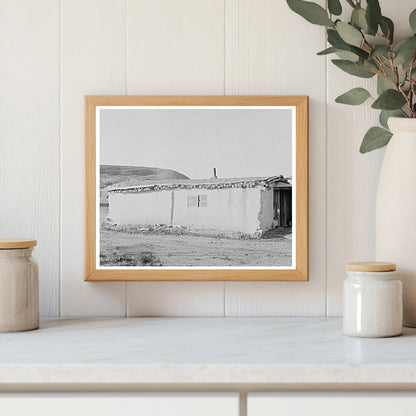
[412,86]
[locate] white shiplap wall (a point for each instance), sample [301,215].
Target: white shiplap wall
[53,52]
[29,134]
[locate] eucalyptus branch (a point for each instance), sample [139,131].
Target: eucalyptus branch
[412,85]
[386,37]
[372,71]
[406,97]
[365,43]
[395,71]
[385,75]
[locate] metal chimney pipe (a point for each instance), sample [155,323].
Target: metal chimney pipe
[215,173]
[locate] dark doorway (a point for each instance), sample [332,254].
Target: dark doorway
[282,207]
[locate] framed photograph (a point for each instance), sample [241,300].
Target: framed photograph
[196,188]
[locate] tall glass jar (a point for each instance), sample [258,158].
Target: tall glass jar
[19,286]
[372,300]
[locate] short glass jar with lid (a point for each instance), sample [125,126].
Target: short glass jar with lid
[372,300]
[19,286]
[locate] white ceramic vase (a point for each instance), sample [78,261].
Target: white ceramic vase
[396,210]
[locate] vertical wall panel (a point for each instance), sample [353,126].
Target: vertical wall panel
[175,299]
[271,50]
[352,178]
[29,134]
[93,62]
[175,47]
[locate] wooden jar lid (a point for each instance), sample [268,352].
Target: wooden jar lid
[11,243]
[371,266]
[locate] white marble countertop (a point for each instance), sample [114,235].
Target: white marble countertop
[203,351]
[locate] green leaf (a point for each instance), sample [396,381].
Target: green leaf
[352,68]
[327,51]
[412,20]
[383,84]
[358,18]
[349,34]
[356,96]
[336,41]
[387,27]
[370,65]
[386,114]
[389,100]
[405,50]
[381,50]
[350,56]
[373,15]
[375,138]
[334,7]
[311,12]
[347,55]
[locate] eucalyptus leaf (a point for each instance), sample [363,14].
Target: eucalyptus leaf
[347,55]
[412,20]
[358,18]
[336,41]
[383,84]
[356,96]
[349,34]
[327,51]
[405,50]
[389,100]
[386,114]
[334,7]
[373,15]
[387,27]
[352,68]
[311,12]
[381,50]
[373,65]
[350,56]
[360,52]
[375,138]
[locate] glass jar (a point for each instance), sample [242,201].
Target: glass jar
[372,300]
[19,286]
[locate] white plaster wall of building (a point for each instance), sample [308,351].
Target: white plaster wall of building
[143,208]
[266,213]
[227,209]
[222,210]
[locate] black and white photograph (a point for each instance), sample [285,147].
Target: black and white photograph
[197,187]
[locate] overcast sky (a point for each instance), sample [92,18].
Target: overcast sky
[238,142]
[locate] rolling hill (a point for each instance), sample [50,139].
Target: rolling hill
[112,174]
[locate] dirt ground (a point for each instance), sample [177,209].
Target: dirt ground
[147,246]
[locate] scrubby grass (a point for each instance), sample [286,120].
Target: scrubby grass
[123,256]
[166,246]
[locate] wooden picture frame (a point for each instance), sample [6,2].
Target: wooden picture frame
[299,268]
